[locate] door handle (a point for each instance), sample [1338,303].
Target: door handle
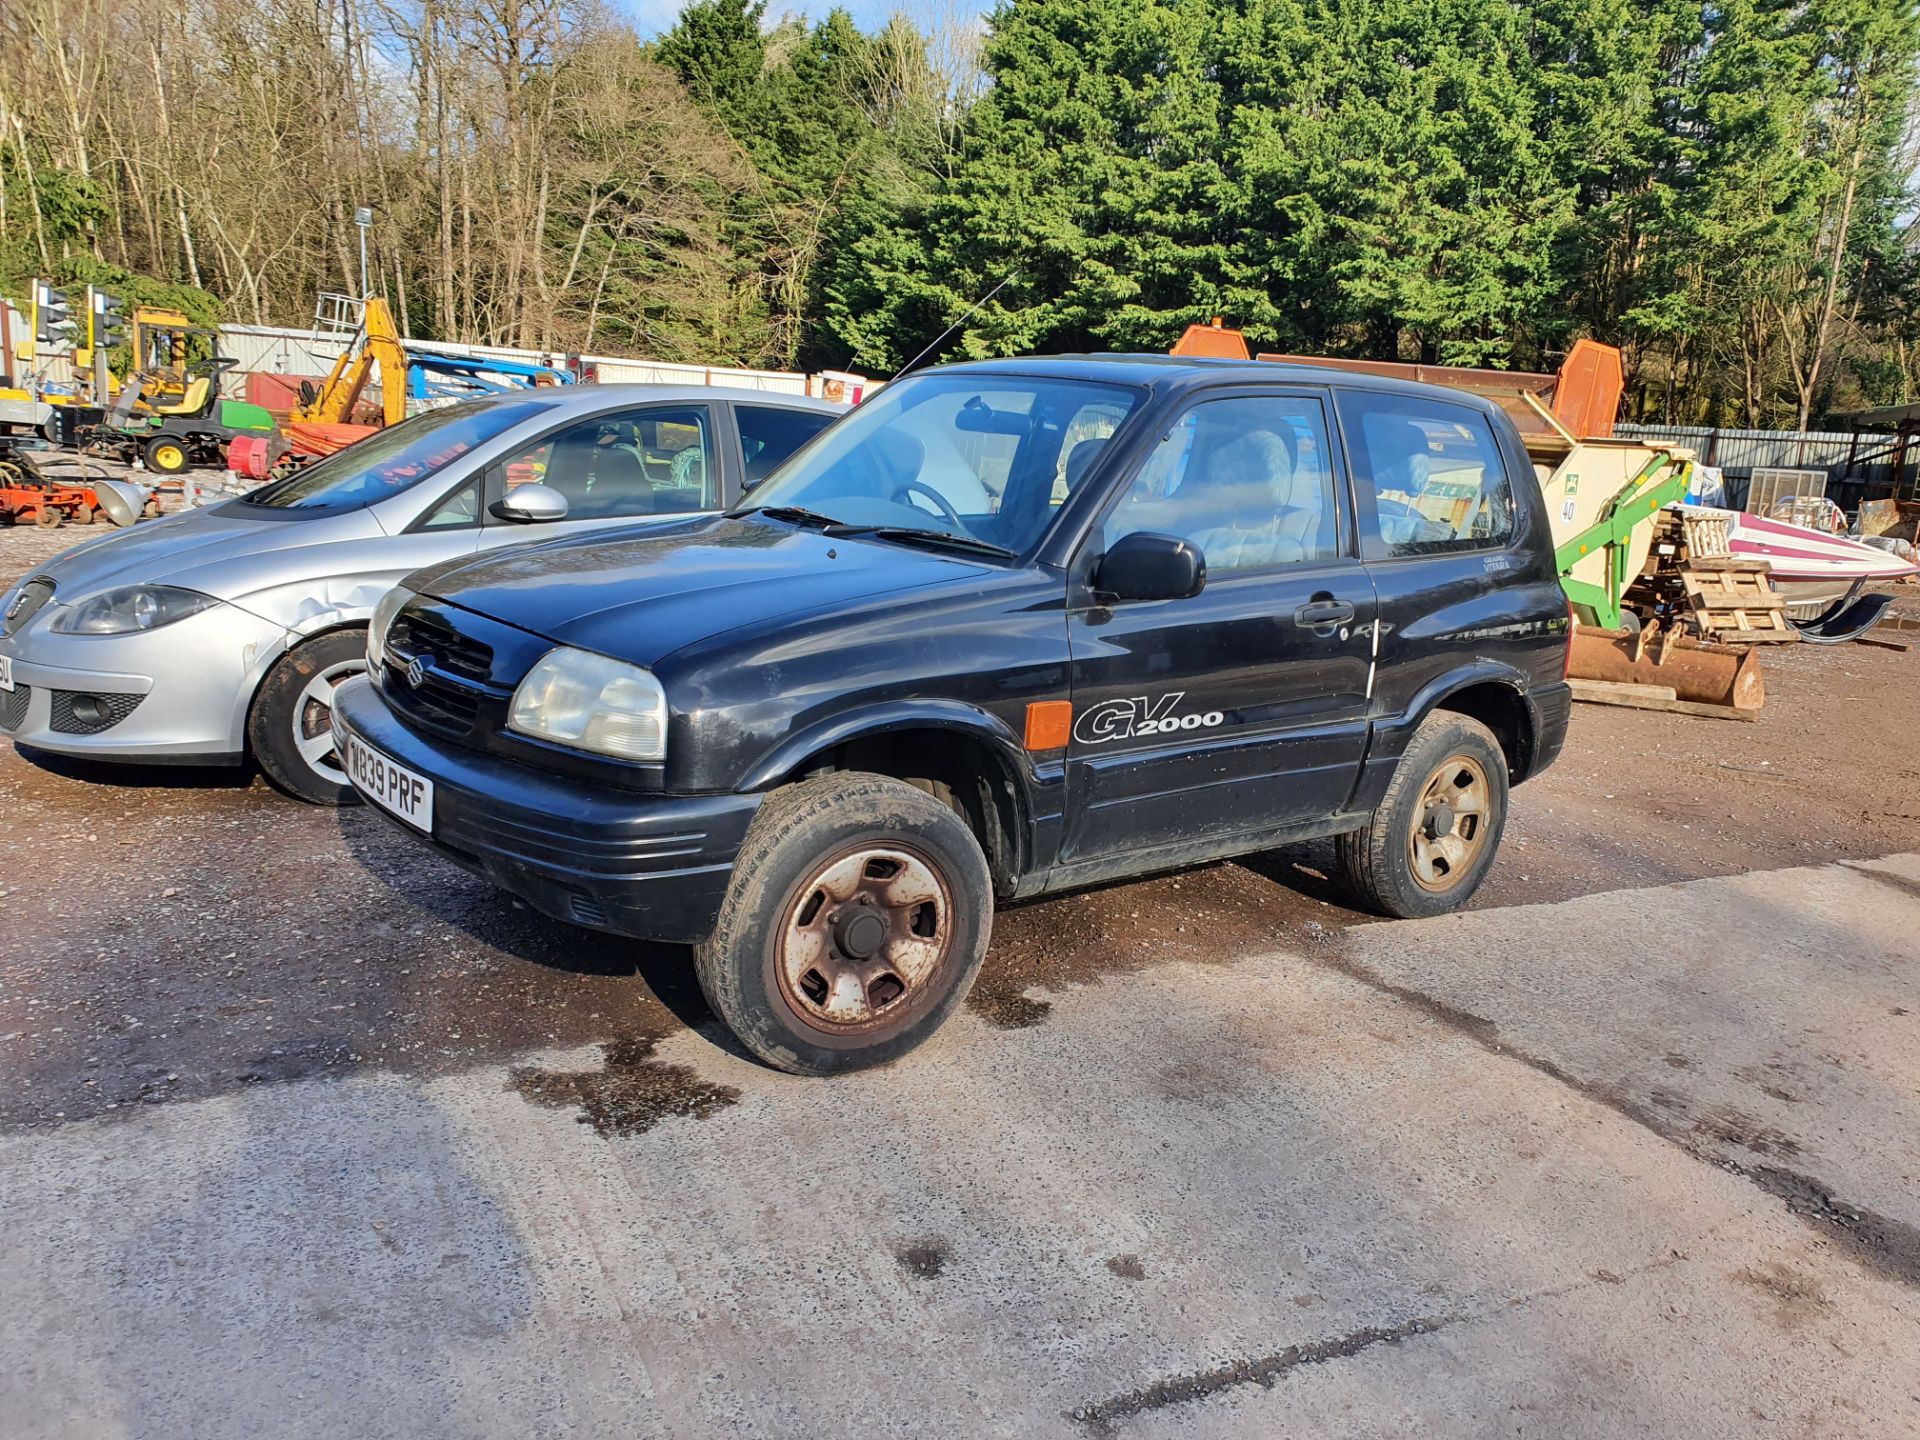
[1324,612]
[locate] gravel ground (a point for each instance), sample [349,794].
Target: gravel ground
[179,933]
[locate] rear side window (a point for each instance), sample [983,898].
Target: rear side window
[770,433]
[1438,482]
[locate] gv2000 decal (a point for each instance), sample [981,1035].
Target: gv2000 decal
[1140,715]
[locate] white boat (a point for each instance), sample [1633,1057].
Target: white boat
[1811,568]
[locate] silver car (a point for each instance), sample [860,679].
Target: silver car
[218,634]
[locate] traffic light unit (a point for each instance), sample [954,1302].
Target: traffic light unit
[53,322]
[106,320]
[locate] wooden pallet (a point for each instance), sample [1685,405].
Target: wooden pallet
[1734,602]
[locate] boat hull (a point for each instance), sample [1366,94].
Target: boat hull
[1810,568]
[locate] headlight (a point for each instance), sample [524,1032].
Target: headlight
[382,621]
[132,609]
[592,703]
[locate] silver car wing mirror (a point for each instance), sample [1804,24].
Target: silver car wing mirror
[530,505]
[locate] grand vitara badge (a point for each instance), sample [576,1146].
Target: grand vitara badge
[1140,715]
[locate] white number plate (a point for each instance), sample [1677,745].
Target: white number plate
[390,785]
[6,672]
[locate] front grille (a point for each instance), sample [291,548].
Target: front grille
[80,712]
[25,605]
[453,671]
[13,706]
[416,632]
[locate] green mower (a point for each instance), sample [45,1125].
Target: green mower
[193,429]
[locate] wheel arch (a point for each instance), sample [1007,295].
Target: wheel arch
[960,754]
[1496,696]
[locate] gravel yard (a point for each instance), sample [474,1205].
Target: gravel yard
[288,1139]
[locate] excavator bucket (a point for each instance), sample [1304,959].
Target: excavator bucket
[1696,672]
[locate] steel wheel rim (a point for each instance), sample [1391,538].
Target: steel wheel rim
[313,720]
[889,897]
[169,456]
[1449,829]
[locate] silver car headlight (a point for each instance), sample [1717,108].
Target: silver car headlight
[131,609]
[382,621]
[586,701]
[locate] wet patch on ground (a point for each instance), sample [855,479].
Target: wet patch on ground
[924,1260]
[1796,1298]
[1127,1267]
[1007,1010]
[629,1094]
[1888,1247]
[1265,1371]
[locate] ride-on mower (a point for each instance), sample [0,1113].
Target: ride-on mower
[194,429]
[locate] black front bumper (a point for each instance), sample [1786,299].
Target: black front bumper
[651,866]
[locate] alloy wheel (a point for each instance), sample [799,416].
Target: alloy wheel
[1450,823]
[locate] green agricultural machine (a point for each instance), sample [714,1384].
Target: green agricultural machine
[193,428]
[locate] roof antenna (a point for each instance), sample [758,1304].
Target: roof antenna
[953,327]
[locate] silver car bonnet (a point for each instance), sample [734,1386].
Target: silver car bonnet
[216,551]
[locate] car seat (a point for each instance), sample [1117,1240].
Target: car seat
[1246,492]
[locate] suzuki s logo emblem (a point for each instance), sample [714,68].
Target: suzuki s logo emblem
[416,670]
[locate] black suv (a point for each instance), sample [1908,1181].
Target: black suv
[1005,629]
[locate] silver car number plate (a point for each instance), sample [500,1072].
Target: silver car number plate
[6,672]
[390,785]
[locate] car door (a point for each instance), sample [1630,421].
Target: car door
[648,461]
[1241,708]
[1438,520]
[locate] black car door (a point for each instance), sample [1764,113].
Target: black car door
[1241,708]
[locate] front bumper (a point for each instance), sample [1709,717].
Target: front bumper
[651,866]
[172,696]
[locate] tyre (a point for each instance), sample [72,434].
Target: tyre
[290,727]
[164,455]
[1431,842]
[85,514]
[48,517]
[854,924]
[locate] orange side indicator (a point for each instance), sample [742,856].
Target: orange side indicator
[1049,724]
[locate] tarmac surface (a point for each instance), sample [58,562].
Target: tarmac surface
[303,1132]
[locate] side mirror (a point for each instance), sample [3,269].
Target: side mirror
[1146,566]
[530,505]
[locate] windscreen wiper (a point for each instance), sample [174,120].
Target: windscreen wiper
[796,515]
[932,539]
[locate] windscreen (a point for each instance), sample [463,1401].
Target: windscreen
[392,460]
[990,458]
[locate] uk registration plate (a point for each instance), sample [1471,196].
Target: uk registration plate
[390,785]
[6,672]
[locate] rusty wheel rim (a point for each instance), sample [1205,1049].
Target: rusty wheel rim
[1450,823]
[864,938]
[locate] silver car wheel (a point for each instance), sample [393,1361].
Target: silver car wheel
[313,720]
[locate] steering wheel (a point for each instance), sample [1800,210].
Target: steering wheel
[909,487]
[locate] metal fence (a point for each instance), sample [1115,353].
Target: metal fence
[277,350]
[1859,466]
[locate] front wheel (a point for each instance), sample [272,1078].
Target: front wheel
[855,922]
[1434,836]
[290,727]
[165,455]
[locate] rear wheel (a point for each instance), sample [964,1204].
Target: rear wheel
[85,514]
[48,517]
[165,455]
[855,923]
[1434,836]
[290,727]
